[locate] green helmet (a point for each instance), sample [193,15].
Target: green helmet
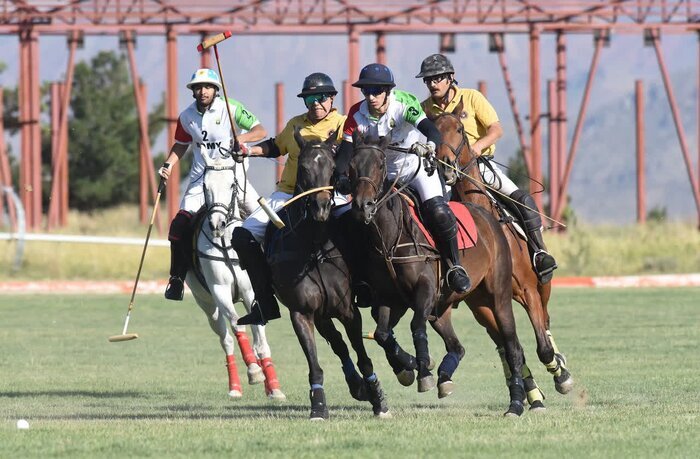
[435,64]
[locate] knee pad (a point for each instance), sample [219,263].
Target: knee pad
[531,219]
[180,226]
[439,217]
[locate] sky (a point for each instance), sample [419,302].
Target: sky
[252,65]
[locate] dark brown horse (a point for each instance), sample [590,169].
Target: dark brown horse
[311,278]
[460,159]
[405,273]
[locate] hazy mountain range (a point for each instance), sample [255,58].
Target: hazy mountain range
[602,185]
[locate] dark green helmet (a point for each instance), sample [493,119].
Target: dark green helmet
[435,64]
[317,83]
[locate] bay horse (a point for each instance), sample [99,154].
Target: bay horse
[217,280]
[460,159]
[404,271]
[312,280]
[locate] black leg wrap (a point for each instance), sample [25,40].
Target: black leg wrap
[516,387]
[398,358]
[319,409]
[443,226]
[253,261]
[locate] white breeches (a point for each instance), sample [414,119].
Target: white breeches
[426,186]
[257,222]
[499,181]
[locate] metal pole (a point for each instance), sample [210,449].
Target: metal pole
[381,48]
[553,145]
[535,127]
[641,194]
[560,157]
[353,63]
[279,97]
[482,87]
[172,192]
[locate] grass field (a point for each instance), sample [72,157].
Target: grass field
[633,353]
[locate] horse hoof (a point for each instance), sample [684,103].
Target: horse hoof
[255,374]
[406,377]
[276,395]
[317,418]
[515,409]
[235,394]
[386,415]
[426,384]
[564,383]
[445,389]
[537,407]
[431,363]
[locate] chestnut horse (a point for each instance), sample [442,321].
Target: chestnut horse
[405,272]
[459,158]
[311,278]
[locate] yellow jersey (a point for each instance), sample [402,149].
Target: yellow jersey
[319,131]
[477,114]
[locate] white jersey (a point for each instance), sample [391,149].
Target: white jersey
[209,133]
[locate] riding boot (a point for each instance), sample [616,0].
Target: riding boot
[178,235]
[443,226]
[543,263]
[252,259]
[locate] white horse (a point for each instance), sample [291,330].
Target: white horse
[222,282]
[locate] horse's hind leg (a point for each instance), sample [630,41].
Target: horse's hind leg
[353,379]
[304,329]
[455,352]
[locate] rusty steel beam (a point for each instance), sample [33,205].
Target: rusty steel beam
[279,125]
[535,124]
[641,153]
[171,114]
[553,144]
[5,173]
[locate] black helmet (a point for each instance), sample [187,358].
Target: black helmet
[375,75]
[435,64]
[317,83]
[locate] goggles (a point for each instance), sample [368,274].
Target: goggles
[434,79]
[312,98]
[372,90]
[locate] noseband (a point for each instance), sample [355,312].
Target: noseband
[218,207]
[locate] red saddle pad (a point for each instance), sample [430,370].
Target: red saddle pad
[466,234]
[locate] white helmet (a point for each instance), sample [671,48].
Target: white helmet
[205,76]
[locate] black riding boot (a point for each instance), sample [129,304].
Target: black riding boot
[346,235]
[179,253]
[443,226]
[543,263]
[252,259]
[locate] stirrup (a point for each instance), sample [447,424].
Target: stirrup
[454,272]
[544,265]
[175,290]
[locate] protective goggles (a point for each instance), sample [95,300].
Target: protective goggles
[312,98]
[372,90]
[434,79]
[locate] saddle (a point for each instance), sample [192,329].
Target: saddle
[467,234]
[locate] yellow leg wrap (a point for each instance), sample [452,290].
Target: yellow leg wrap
[551,340]
[534,395]
[506,369]
[554,368]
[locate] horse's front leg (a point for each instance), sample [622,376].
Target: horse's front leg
[401,362]
[353,328]
[304,328]
[455,352]
[426,382]
[503,312]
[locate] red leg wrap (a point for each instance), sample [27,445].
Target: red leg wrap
[271,381]
[233,382]
[246,350]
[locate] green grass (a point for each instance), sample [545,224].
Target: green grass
[582,251]
[633,354]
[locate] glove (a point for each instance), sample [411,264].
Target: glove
[342,184]
[239,151]
[419,149]
[430,164]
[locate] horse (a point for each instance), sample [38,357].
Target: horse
[312,280]
[404,271]
[217,281]
[456,154]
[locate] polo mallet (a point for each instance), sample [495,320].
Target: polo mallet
[129,336]
[274,218]
[206,44]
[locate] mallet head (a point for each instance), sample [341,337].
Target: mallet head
[211,41]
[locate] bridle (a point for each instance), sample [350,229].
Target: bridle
[464,142]
[227,210]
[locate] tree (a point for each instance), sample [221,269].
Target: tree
[103,134]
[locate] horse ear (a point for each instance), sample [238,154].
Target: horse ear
[459,108]
[384,141]
[330,141]
[357,137]
[299,139]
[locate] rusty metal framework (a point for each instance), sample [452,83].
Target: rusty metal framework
[29,19]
